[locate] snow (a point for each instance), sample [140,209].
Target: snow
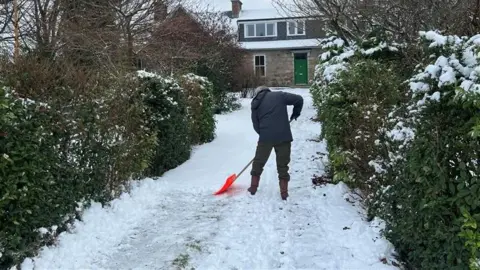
[378,48]
[28,264]
[438,40]
[260,14]
[378,167]
[331,71]
[268,13]
[458,65]
[401,133]
[447,77]
[223,5]
[43,231]
[419,86]
[281,44]
[435,96]
[175,219]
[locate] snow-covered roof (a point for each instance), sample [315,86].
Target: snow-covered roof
[280,44]
[260,14]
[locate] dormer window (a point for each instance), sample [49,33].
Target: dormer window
[296,28]
[260,29]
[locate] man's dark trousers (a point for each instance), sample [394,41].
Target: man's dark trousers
[282,152]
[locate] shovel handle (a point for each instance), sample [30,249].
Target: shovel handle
[244,168]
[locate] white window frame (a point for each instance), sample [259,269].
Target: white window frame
[264,64]
[296,28]
[245,30]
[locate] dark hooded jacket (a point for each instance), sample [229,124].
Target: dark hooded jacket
[270,117]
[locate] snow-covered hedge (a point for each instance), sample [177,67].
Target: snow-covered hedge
[433,206]
[56,158]
[419,131]
[353,93]
[167,115]
[201,107]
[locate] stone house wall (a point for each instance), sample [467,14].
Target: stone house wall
[280,66]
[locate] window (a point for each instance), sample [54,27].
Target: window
[296,28]
[250,30]
[260,30]
[260,65]
[270,29]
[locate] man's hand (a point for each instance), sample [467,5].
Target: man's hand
[294,117]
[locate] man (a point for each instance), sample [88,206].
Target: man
[270,121]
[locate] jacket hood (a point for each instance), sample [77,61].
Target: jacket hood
[257,99]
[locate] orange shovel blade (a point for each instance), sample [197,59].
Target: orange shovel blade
[227,184]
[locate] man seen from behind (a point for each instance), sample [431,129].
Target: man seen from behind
[271,122]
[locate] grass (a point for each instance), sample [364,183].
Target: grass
[181,262]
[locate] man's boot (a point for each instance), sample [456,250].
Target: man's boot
[284,189]
[254,184]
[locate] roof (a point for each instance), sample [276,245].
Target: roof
[264,14]
[281,44]
[260,14]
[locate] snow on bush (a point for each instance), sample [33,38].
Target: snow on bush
[432,161]
[456,65]
[166,109]
[337,57]
[57,157]
[353,105]
[419,161]
[201,107]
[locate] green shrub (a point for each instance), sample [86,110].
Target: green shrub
[92,135]
[353,94]
[227,102]
[167,114]
[200,102]
[221,74]
[433,202]
[361,99]
[423,145]
[28,188]
[55,157]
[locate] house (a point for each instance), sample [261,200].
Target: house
[282,50]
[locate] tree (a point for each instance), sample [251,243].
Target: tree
[353,19]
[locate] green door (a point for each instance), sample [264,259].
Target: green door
[301,68]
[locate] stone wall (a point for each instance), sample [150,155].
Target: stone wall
[280,67]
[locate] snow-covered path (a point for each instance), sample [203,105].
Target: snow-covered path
[174,222]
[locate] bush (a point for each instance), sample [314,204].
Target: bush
[353,114]
[423,144]
[167,113]
[27,153]
[56,156]
[200,108]
[436,189]
[353,94]
[82,137]
[221,75]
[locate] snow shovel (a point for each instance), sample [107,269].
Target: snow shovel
[232,178]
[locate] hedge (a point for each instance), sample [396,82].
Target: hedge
[437,183]
[166,108]
[56,158]
[419,132]
[353,94]
[201,107]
